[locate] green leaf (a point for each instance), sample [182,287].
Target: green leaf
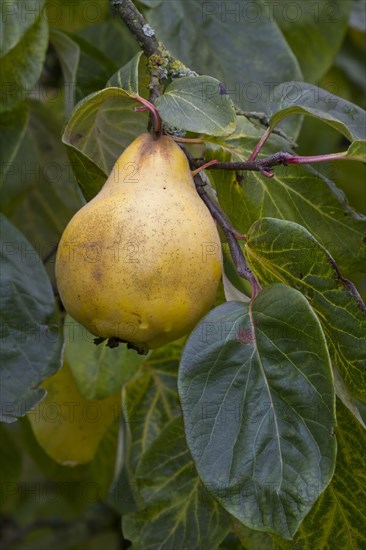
[357,408]
[357,150]
[112,38]
[98,371]
[151,399]
[13,125]
[338,516]
[100,128]
[297,193]
[68,53]
[198,104]
[281,251]
[93,70]
[17,17]
[123,493]
[130,75]
[31,340]
[350,61]
[89,176]
[235,287]
[211,39]
[314,30]
[258,401]
[179,513]
[301,98]
[39,194]
[24,51]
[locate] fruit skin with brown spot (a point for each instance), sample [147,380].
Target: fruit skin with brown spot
[142,260]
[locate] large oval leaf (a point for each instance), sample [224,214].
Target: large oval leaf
[132,77]
[198,104]
[257,393]
[30,332]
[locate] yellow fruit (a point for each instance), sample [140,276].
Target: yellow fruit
[68,426]
[141,261]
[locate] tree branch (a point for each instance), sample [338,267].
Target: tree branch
[229,231]
[161,64]
[231,236]
[265,165]
[138,26]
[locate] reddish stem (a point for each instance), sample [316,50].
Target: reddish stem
[316,158]
[155,115]
[204,166]
[260,144]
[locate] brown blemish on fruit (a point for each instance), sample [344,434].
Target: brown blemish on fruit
[98,275]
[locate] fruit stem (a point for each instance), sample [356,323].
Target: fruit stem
[154,112]
[260,144]
[206,165]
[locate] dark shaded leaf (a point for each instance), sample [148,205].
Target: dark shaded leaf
[300,98]
[232,47]
[258,401]
[131,76]
[30,332]
[13,125]
[112,38]
[39,194]
[151,399]
[314,30]
[179,512]
[24,51]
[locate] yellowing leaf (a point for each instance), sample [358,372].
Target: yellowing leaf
[68,426]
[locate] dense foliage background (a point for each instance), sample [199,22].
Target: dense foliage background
[77,458]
